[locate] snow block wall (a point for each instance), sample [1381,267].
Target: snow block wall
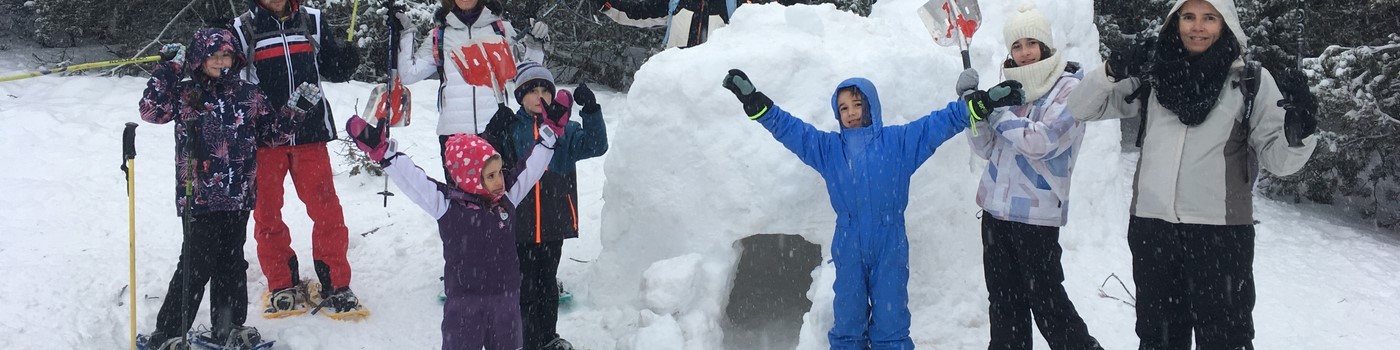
[688,175]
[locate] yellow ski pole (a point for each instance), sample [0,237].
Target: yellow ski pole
[129,167]
[78,67]
[354,12]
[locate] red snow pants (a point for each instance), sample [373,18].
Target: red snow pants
[310,166]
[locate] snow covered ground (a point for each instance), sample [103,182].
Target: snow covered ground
[687,176]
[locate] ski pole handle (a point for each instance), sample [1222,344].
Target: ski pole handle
[129,141]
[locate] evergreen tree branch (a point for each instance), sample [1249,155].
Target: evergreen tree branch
[158,36]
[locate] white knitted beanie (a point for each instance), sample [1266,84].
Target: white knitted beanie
[1027,22]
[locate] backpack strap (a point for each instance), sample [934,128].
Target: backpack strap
[1249,86]
[306,27]
[437,49]
[245,22]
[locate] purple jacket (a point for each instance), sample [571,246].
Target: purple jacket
[478,234]
[219,134]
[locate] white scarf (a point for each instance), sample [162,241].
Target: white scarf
[1037,78]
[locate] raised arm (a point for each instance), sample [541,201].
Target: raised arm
[637,13]
[533,167]
[1267,131]
[415,66]
[415,184]
[591,138]
[920,138]
[809,144]
[1051,135]
[1099,97]
[161,102]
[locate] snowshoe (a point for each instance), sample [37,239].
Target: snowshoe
[342,305]
[285,302]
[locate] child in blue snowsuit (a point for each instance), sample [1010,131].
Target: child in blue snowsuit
[867,167]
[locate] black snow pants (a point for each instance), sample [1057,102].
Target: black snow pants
[1022,267]
[1193,279]
[539,291]
[212,253]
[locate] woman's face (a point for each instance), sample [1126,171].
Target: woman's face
[214,65]
[1025,51]
[1199,25]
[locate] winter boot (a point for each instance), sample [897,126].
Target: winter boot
[343,305]
[155,341]
[284,302]
[558,344]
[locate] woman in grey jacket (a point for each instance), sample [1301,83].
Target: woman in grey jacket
[1192,227]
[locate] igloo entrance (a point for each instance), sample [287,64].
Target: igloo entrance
[770,292]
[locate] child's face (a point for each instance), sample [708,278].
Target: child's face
[532,100]
[1025,51]
[215,64]
[491,177]
[851,108]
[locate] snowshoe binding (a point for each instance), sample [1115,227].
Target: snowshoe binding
[237,338]
[341,305]
[288,302]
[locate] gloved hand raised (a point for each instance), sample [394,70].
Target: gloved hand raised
[371,139]
[1130,62]
[1007,93]
[173,53]
[397,19]
[305,97]
[583,96]
[1300,116]
[755,103]
[539,30]
[967,82]
[557,113]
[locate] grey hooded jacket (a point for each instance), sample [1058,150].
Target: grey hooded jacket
[1200,174]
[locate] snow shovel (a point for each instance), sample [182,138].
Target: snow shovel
[390,100]
[952,22]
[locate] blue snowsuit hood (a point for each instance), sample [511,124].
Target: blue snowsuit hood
[867,172]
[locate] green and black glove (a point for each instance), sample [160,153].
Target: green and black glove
[755,103]
[981,103]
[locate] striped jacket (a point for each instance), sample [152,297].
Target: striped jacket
[1031,149]
[288,52]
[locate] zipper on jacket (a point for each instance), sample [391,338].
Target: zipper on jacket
[287,57]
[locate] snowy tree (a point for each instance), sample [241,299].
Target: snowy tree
[1357,161]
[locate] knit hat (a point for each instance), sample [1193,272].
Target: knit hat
[530,75]
[464,158]
[1027,22]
